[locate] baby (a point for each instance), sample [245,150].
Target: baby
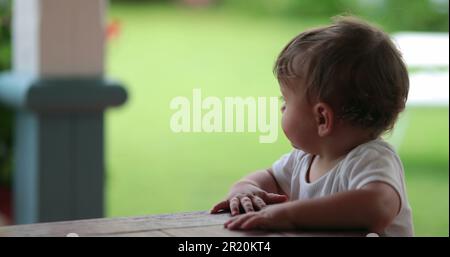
[343,86]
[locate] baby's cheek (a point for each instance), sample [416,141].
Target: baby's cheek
[293,130]
[287,126]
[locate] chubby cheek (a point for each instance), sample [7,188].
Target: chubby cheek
[299,130]
[290,127]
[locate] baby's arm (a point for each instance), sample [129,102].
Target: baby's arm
[373,207]
[252,192]
[265,180]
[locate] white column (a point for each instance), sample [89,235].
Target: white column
[59,37]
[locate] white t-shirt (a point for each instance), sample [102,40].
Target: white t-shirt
[369,162]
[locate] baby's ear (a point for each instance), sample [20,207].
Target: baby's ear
[324,117]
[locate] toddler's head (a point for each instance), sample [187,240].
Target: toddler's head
[347,73]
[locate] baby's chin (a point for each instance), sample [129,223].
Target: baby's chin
[296,147]
[299,148]
[303,149]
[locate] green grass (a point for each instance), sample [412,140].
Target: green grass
[424,151]
[164,52]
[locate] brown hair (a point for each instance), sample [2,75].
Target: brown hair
[352,66]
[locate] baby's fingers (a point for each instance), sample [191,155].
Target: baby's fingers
[234,206]
[220,206]
[254,222]
[235,223]
[271,198]
[258,202]
[247,204]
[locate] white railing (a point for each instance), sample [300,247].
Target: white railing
[427,57]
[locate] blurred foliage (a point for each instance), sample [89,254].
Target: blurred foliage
[394,15]
[5,34]
[6,115]
[427,15]
[421,15]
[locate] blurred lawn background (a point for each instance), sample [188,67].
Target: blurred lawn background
[163,50]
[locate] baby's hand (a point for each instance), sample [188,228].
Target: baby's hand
[272,217]
[248,198]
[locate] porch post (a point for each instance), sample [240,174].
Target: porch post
[59,93]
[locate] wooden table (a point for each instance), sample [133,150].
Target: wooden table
[189,224]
